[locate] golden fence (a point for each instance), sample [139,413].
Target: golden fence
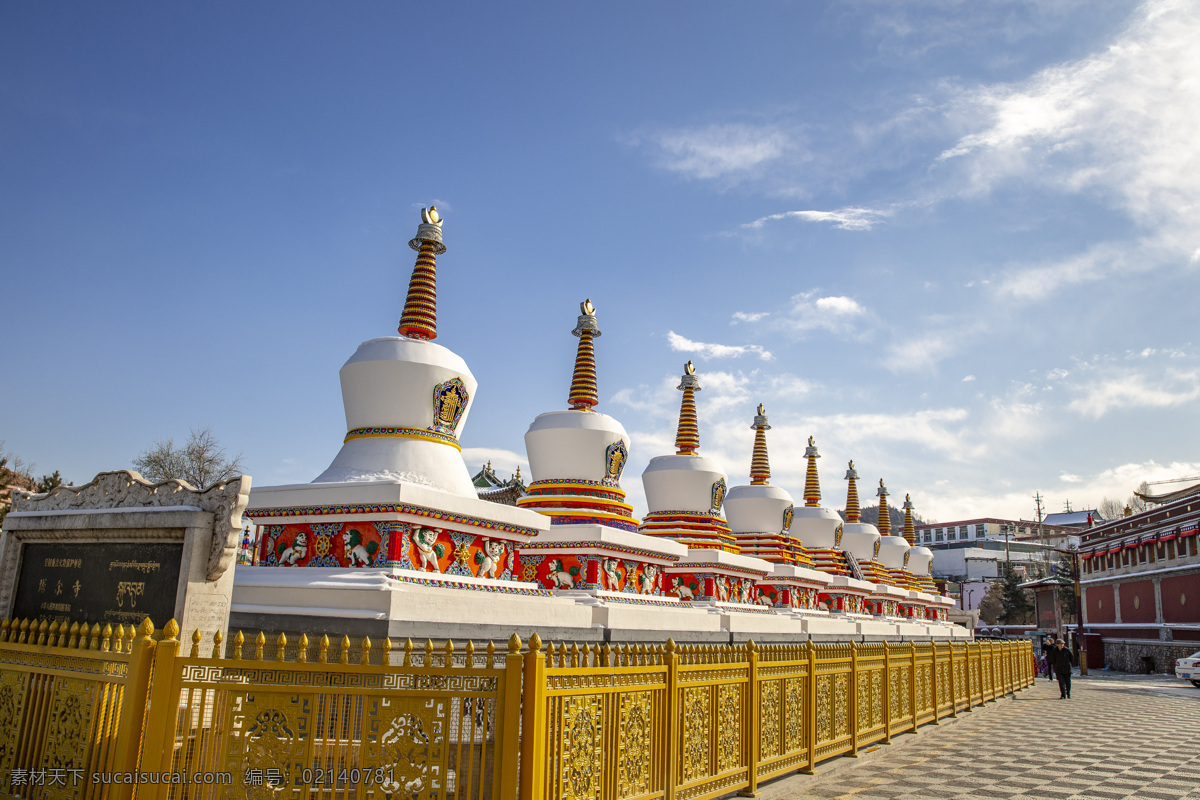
[90,713]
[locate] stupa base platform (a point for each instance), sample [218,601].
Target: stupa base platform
[793,588]
[708,574]
[402,604]
[599,559]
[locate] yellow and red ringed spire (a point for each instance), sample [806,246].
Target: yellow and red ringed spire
[419,320]
[760,468]
[584,392]
[910,531]
[687,436]
[885,517]
[812,487]
[852,511]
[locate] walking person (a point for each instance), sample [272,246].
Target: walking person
[1060,658]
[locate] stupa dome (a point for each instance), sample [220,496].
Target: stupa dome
[577,455]
[759,507]
[858,538]
[920,560]
[685,491]
[813,524]
[892,549]
[816,527]
[407,398]
[572,444]
[684,483]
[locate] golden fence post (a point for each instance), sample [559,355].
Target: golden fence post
[933,681]
[507,755]
[750,721]
[159,727]
[912,683]
[887,693]
[853,700]
[953,684]
[533,722]
[133,705]
[671,726]
[810,711]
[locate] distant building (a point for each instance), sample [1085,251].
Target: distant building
[491,488]
[973,552]
[948,534]
[1140,577]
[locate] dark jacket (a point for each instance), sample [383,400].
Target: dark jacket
[1060,660]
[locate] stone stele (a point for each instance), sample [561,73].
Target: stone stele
[113,532]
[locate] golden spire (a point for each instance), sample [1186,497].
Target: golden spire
[812,487]
[419,320]
[852,512]
[885,517]
[687,437]
[584,393]
[760,468]
[910,531]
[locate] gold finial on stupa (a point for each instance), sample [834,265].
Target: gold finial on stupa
[812,487]
[760,468]
[584,392]
[852,511]
[687,436]
[910,531]
[419,320]
[885,517]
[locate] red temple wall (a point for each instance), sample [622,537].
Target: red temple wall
[1181,598]
[1100,606]
[1137,601]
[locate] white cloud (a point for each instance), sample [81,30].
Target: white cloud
[922,352]
[719,150]
[748,316]
[1058,373]
[846,219]
[1120,481]
[1118,126]
[968,379]
[835,313]
[710,350]
[1127,389]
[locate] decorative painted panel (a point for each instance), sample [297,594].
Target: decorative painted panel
[326,544]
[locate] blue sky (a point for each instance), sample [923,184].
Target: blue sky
[957,242]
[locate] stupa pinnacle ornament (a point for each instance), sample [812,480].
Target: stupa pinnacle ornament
[687,437]
[852,512]
[419,320]
[576,459]
[885,518]
[760,468]
[812,486]
[910,532]
[584,393]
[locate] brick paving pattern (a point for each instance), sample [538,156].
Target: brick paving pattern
[1118,737]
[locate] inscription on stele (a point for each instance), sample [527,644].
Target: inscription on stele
[105,583]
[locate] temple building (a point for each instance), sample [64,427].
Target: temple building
[490,487]
[1140,581]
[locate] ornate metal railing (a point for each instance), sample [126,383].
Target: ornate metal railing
[71,704]
[539,722]
[692,722]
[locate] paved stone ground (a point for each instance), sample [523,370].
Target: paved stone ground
[1120,736]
